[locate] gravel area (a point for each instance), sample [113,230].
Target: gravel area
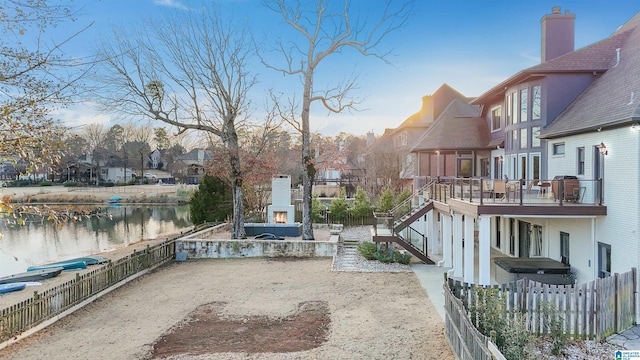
[356,262]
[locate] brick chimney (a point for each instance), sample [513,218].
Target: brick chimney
[558,31]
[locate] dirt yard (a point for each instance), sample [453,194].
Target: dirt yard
[249,309]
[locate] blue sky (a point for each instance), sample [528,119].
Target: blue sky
[469,44]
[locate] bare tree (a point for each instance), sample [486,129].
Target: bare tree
[188,70]
[326,29]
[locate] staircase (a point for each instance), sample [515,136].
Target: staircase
[401,217]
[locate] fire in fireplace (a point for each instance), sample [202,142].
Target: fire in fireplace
[280,217]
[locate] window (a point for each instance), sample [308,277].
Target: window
[484,167]
[497,167]
[514,98]
[535,136]
[558,149]
[604,260]
[564,248]
[512,236]
[498,234]
[514,139]
[535,166]
[509,109]
[580,157]
[523,138]
[535,103]
[536,240]
[496,124]
[523,167]
[523,105]
[464,168]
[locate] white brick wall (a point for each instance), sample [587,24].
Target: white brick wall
[619,227]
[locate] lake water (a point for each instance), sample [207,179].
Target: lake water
[40,243]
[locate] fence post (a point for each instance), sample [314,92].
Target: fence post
[616,310]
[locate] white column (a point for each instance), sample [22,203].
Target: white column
[457,245]
[427,231]
[446,240]
[469,251]
[484,250]
[434,233]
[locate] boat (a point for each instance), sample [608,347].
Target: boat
[5,288]
[115,199]
[31,276]
[88,260]
[65,265]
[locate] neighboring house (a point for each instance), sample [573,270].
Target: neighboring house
[400,141]
[156,161]
[190,167]
[112,168]
[568,132]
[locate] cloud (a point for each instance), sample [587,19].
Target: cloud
[171,3]
[80,115]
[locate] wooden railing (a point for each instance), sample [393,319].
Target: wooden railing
[30,313]
[592,310]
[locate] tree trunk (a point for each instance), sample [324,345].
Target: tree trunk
[307,160]
[237,229]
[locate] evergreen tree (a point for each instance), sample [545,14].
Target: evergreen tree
[361,205]
[339,208]
[316,209]
[385,203]
[213,201]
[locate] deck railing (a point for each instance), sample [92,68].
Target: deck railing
[521,192]
[44,306]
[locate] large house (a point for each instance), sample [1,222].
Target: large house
[542,168]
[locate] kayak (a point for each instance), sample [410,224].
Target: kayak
[29,276]
[5,288]
[65,265]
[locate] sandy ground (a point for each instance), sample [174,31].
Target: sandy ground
[373,315]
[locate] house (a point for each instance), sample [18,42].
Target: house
[556,180]
[156,160]
[190,167]
[402,139]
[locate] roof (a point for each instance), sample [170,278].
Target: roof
[613,99]
[431,109]
[597,57]
[459,127]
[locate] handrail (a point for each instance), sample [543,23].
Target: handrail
[409,200]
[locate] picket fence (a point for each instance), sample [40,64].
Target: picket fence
[591,310]
[53,302]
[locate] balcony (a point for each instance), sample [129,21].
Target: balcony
[562,195]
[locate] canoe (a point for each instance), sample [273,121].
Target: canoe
[5,288]
[65,265]
[88,260]
[31,276]
[115,199]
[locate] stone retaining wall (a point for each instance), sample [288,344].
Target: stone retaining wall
[203,245]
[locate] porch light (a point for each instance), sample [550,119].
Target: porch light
[603,149]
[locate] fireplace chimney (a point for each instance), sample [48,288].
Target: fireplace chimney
[558,31]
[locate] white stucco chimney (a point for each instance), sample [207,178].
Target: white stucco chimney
[558,34]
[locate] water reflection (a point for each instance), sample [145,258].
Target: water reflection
[41,242]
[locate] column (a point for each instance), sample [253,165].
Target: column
[434,233]
[469,250]
[484,250]
[457,245]
[445,222]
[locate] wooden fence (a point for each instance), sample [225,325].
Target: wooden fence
[467,343]
[592,310]
[27,314]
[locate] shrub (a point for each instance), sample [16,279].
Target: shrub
[361,205]
[401,258]
[46,183]
[368,250]
[316,209]
[385,203]
[69,183]
[211,202]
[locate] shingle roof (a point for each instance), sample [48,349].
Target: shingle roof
[613,98]
[422,118]
[459,127]
[596,57]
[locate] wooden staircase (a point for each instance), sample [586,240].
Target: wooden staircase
[400,218]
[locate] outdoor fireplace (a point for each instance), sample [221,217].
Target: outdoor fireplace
[280,211]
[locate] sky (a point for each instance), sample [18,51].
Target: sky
[470,45]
